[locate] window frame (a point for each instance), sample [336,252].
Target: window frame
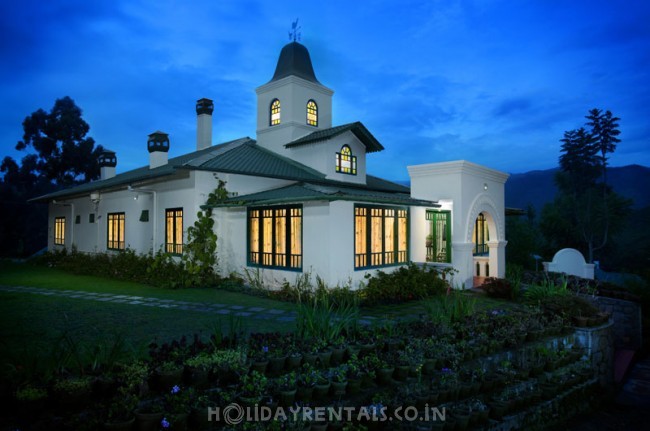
[175,245]
[59,239]
[121,217]
[481,236]
[340,159]
[432,254]
[312,110]
[367,256]
[288,256]
[275,110]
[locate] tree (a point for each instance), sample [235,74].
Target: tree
[64,155]
[61,155]
[587,211]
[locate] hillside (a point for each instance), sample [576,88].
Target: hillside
[538,188]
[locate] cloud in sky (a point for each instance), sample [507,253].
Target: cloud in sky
[494,82]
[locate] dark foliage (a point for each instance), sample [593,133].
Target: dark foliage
[497,288]
[404,284]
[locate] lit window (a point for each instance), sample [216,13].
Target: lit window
[115,233]
[275,237]
[59,230]
[174,231]
[438,242]
[380,236]
[312,113]
[275,112]
[346,163]
[481,236]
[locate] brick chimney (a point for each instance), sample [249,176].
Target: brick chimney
[204,108]
[158,146]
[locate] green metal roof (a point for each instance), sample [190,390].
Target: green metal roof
[305,192]
[359,130]
[242,156]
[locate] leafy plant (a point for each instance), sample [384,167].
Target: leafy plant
[30,393]
[407,283]
[546,289]
[497,288]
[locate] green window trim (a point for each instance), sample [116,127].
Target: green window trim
[59,230]
[346,163]
[144,216]
[438,241]
[274,239]
[312,113]
[372,249]
[275,113]
[481,236]
[77,219]
[115,231]
[174,231]
[91,218]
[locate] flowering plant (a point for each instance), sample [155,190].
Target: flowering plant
[307,377]
[448,378]
[288,381]
[178,400]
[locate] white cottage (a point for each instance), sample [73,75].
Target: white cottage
[301,200]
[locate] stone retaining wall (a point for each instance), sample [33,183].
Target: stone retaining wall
[627,320]
[598,345]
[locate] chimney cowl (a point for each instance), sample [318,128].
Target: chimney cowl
[158,141]
[204,106]
[107,158]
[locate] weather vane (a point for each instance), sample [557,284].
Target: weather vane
[294,34]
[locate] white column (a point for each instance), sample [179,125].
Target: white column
[461,258]
[497,258]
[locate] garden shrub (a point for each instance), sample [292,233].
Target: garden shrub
[497,288]
[568,306]
[159,270]
[406,283]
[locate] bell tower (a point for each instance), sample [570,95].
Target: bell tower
[293,103]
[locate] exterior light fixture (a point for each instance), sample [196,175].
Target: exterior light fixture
[485,187]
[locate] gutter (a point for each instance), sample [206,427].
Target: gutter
[155,212]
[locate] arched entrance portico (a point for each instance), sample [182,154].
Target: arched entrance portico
[487,258]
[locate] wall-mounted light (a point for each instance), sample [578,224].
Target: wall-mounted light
[485,187]
[135,198]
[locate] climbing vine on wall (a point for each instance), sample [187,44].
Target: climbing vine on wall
[200,257]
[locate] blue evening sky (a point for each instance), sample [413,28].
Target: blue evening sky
[494,82]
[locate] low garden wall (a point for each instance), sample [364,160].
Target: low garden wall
[627,330]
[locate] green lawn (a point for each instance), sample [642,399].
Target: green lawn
[31,324]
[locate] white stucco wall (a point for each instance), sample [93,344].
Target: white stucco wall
[468,189]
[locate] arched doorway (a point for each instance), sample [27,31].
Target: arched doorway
[486,233]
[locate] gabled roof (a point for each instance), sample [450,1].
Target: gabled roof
[305,192]
[359,130]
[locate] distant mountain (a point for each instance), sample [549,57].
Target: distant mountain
[538,187]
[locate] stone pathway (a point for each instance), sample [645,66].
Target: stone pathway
[272,314]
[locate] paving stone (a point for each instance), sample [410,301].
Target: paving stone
[274,311]
[223,311]
[257,309]
[237,307]
[121,296]
[166,300]
[217,305]
[243,314]
[120,301]
[104,299]
[135,302]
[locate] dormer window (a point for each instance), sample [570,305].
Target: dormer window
[346,163]
[275,112]
[312,113]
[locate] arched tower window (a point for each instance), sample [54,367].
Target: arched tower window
[346,163]
[275,112]
[312,113]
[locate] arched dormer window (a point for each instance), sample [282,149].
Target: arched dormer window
[312,113]
[275,112]
[346,163]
